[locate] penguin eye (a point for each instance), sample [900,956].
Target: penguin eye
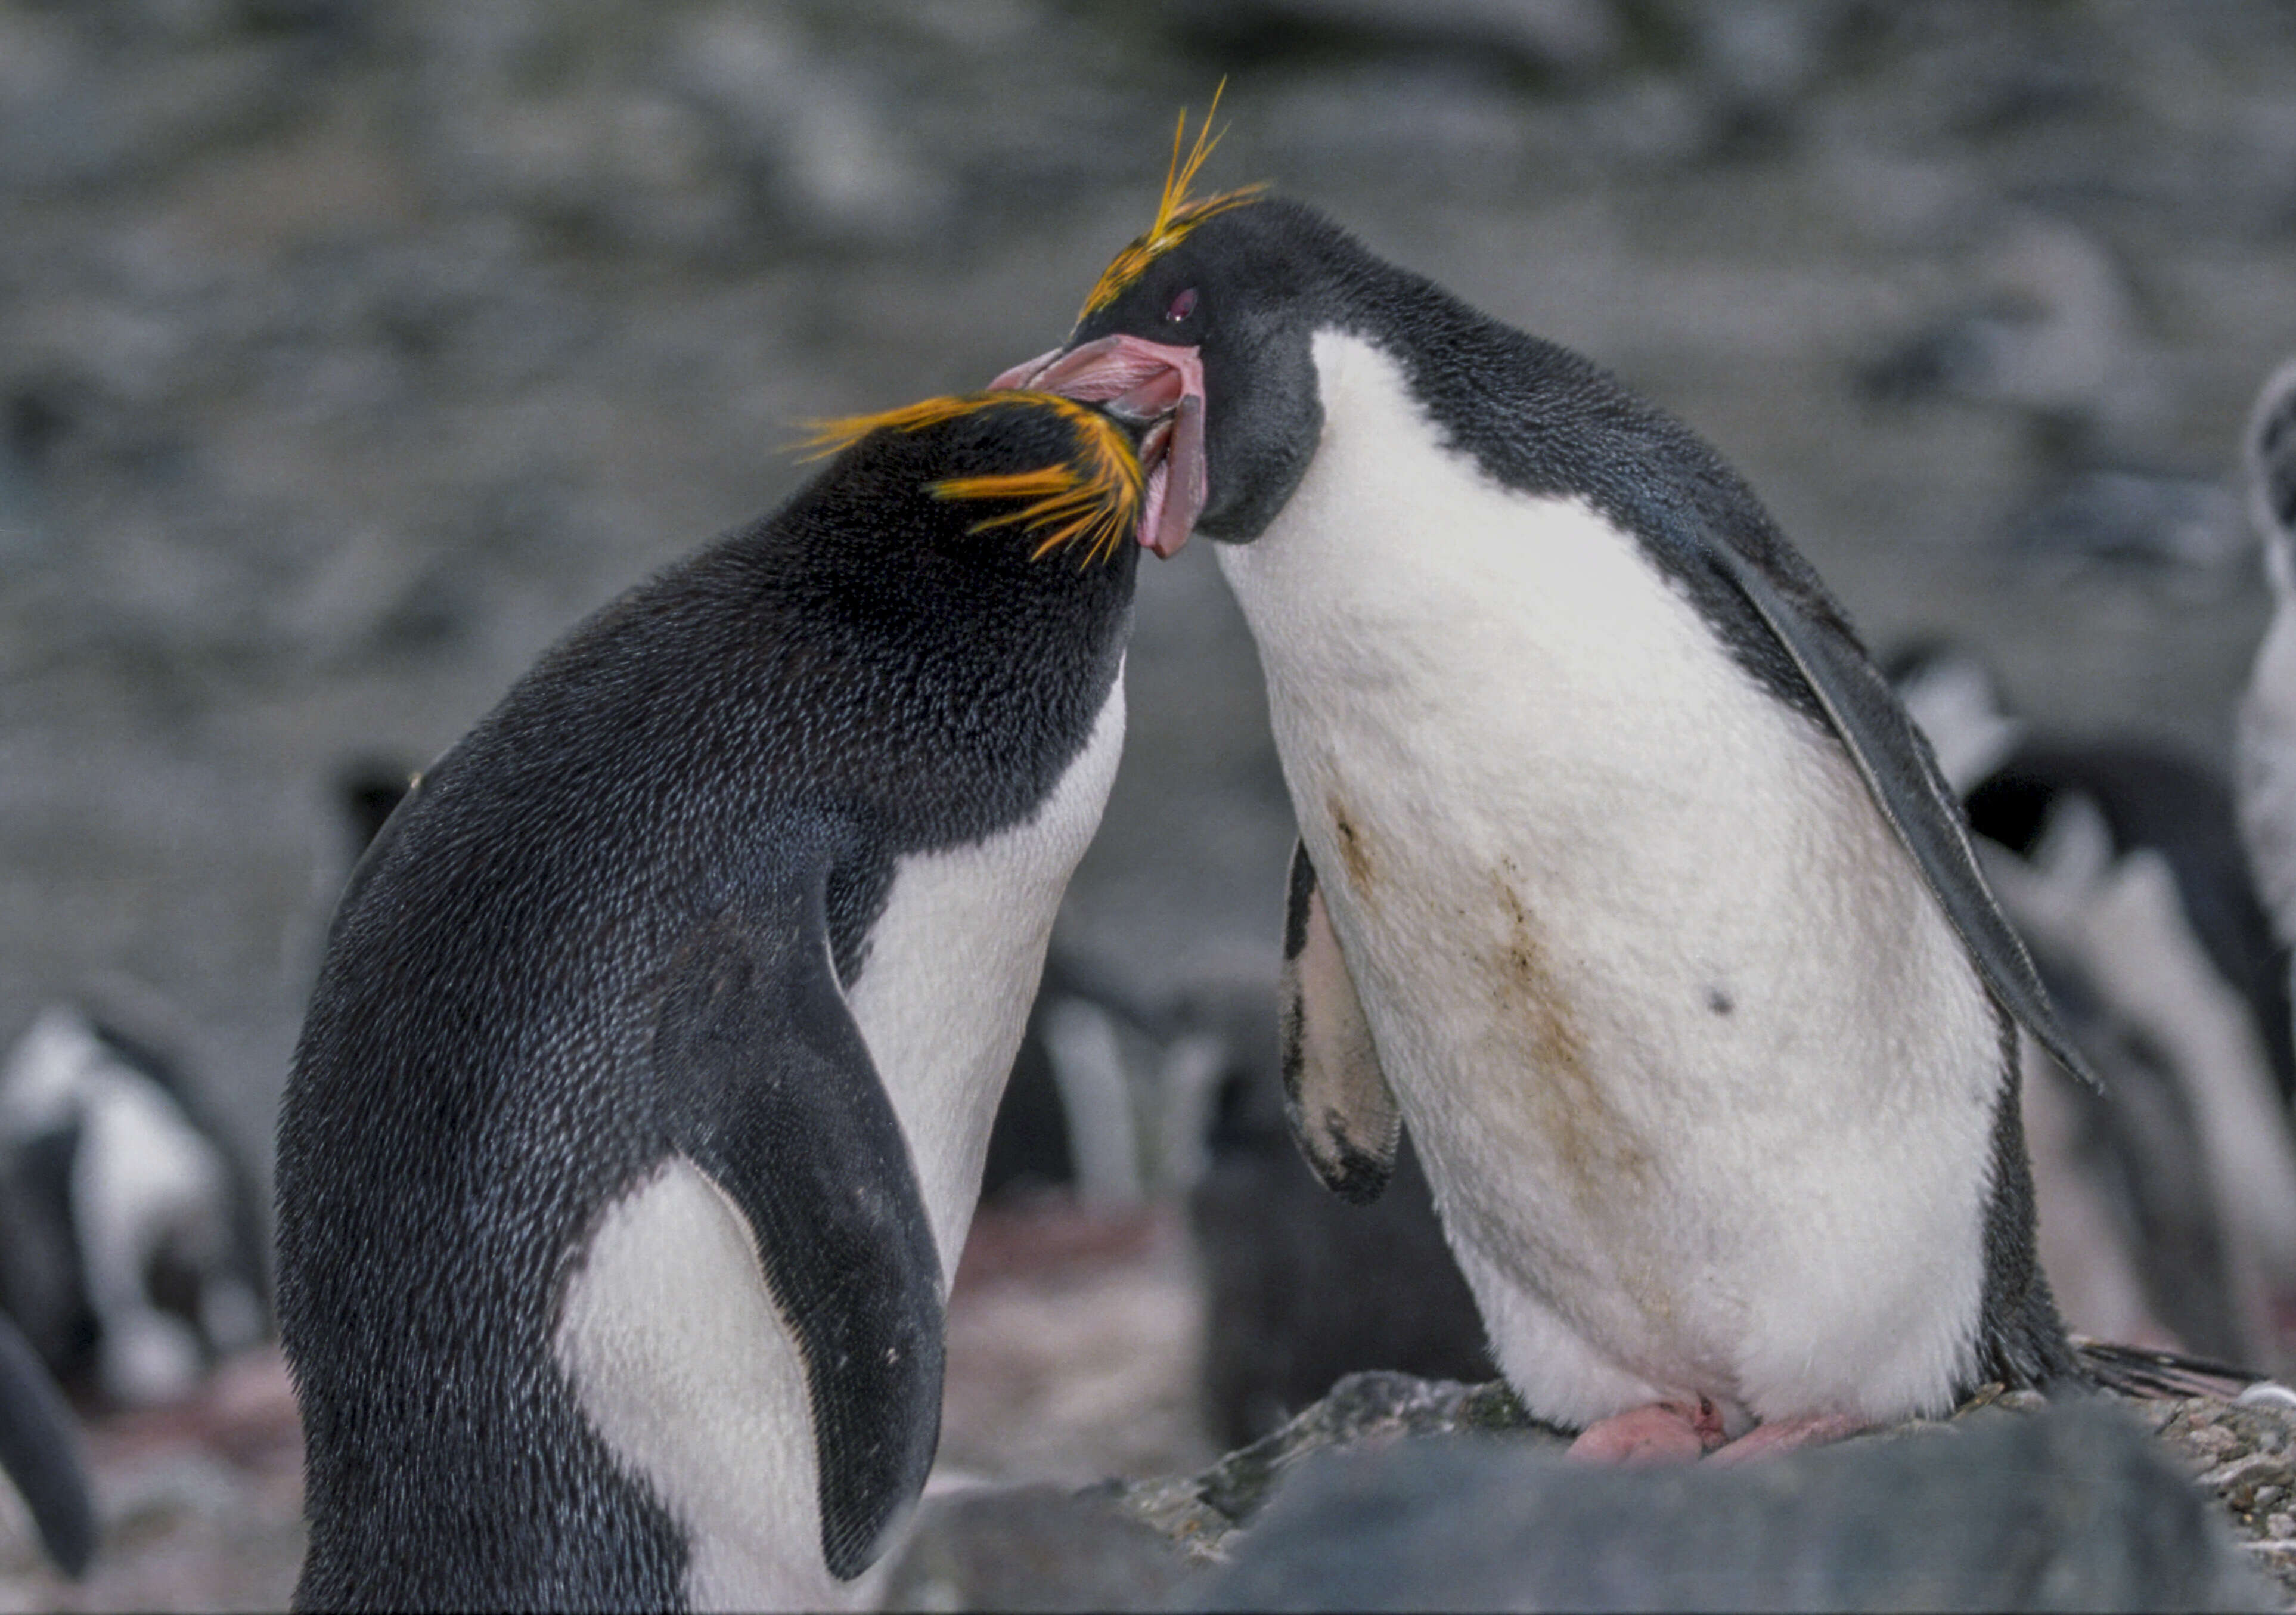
[1183,306]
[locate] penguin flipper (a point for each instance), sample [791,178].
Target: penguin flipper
[1903,778]
[1335,1096]
[768,1086]
[40,1451]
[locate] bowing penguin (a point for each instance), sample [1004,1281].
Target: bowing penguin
[1623,879]
[640,1106]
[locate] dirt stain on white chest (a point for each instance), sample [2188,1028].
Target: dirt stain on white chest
[1354,849]
[1533,1046]
[1542,1042]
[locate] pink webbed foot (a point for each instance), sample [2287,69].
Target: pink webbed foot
[1787,1435]
[1661,1432]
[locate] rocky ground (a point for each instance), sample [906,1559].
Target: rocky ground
[2014,1503]
[2187,1502]
[350,349]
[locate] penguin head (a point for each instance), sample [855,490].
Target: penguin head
[1201,328]
[995,482]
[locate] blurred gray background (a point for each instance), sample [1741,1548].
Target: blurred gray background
[350,350]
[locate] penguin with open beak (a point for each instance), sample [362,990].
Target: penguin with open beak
[640,1110]
[1623,879]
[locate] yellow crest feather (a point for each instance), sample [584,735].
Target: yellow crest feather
[837,432]
[1176,214]
[1095,496]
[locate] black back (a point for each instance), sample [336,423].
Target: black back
[601,932]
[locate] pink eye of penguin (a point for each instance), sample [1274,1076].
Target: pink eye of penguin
[1183,306]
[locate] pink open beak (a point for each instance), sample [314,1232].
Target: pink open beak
[1141,381]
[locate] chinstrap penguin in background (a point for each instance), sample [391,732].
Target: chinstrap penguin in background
[2168,1202]
[2267,716]
[131,1253]
[1624,880]
[640,1109]
[2150,795]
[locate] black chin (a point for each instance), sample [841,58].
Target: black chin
[1242,513]
[1221,529]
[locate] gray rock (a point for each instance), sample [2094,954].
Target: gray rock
[2243,1452]
[2069,1509]
[1202,1511]
[1032,1547]
[808,130]
[90,121]
[24,532]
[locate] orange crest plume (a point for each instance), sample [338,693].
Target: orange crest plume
[1175,215]
[1095,496]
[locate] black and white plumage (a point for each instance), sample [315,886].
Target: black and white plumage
[1623,879]
[132,1258]
[2268,717]
[2151,796]
[1069,1121]
[641,1107]
[2168,1202]
[2119,859]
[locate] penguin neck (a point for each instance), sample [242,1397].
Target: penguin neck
[953,962]
[1383,552]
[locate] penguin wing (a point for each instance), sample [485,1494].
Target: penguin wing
[1335,1096]
[767,1085]
[1903,777]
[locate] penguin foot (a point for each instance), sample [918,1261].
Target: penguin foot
[1787,1435]
[1659,1432]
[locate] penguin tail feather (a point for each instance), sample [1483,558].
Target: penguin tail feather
[2144,1372]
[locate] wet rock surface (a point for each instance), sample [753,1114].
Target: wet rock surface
[2065,1508]
[1399,1493]
[1201,1512]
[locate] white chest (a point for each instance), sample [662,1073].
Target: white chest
[953,966]
[1680,1028]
